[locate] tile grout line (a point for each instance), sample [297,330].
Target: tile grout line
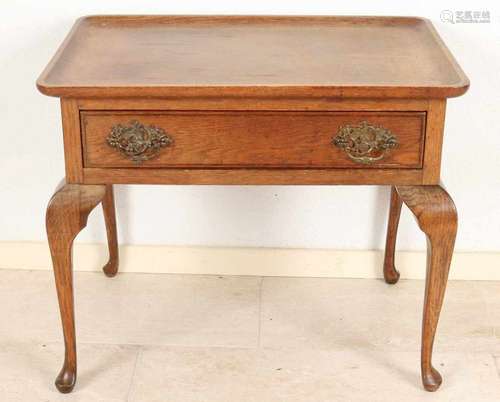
[154,345]
[129,391]
[497,365]
[481,291]
[260,311]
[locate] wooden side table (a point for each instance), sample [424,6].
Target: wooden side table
[253,100]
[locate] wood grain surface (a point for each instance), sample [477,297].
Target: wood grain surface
[180,56]
[253,139]
[108,209]
[66,216]
[436,216]
[253,100]
[391,274]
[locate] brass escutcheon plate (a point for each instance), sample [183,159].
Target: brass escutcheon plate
[138,142]
[365,143]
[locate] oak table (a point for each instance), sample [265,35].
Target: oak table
[253,100]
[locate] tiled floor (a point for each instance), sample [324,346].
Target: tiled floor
[175,338]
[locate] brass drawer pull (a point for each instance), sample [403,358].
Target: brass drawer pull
[365,143]
[138,142]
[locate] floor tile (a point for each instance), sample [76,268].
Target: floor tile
[343,313]
[491,293]
[170,310]
[497,364]
[28,306]
[318,339]
[27,372]
[465,324]
[136,309]
[244,375]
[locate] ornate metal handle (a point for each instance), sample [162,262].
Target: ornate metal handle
[138,142]
[365,143]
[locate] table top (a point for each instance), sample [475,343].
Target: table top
[162,56]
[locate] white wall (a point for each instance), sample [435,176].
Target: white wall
[31,154]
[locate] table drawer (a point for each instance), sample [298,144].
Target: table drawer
[209,139]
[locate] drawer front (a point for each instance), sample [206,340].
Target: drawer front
[205,139]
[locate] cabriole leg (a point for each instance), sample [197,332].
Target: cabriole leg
[437,217]
[391,274]
[108,208]
[66,216]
